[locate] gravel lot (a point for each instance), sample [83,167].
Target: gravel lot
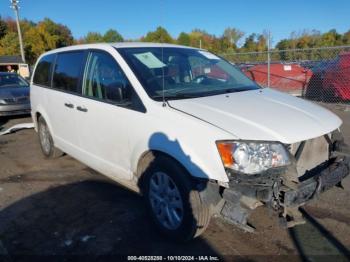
[62,207]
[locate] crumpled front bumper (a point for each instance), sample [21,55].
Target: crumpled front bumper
[274,190]
[311,187]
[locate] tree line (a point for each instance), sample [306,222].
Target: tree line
[47,34]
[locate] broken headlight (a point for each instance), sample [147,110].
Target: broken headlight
[252,157]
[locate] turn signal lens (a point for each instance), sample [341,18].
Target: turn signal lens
[225,150]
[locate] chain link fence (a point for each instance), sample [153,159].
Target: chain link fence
[321,74]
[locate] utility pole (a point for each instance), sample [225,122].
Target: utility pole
[15,7]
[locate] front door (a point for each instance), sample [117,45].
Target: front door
[105,116]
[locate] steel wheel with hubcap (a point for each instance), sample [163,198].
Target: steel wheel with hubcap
[172,198]
[166,200]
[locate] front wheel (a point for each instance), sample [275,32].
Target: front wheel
[174,203]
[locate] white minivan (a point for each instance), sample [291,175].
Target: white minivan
[187,130]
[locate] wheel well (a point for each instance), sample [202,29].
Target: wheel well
[37,115]
[148,157]
[36,120]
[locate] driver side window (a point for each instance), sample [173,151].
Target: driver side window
[104,79]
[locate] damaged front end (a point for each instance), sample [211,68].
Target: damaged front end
[316,165]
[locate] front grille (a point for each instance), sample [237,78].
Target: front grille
[9,100]
[313,153]
[17,100]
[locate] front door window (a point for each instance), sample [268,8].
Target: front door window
[104,79]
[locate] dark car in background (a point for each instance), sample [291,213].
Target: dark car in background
[330,81]
[336,80]
[14,95]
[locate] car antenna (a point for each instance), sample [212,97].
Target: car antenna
[163,80]
[162,48]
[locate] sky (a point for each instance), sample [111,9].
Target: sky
[134,18]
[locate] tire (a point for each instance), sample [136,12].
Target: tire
[46,141]
[181,201]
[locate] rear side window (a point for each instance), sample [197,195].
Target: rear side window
[67,71]
[42,75]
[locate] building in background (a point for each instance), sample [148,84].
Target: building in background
[16,64]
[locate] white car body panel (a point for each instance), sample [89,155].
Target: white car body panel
[265,114]
[112,139]
[63,119]
[103,137]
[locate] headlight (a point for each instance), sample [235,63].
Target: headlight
[252,157]
[2,102]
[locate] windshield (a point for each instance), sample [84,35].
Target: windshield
[12,80]
[184,72]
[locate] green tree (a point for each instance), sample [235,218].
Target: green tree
[9,44]
[346,38]
[184,39]
[231,36]
[3,28]
[160,35]
[250,43]
[93,37]
[261,44]
[61,32]
[283,44]
[331,38]
[200,38]
[112,36]
[44,36]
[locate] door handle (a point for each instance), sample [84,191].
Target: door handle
[69,105]
[82,109]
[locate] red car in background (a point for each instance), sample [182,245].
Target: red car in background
[290,78]
[336,79]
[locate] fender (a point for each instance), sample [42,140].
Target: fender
[186,156]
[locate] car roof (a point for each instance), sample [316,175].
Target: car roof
[146,44]
[116,45]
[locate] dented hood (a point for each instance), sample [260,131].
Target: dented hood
[263,114]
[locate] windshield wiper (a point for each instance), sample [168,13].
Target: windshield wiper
[238,89]
[176,96]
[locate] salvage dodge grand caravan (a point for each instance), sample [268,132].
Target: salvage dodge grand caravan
[188,131]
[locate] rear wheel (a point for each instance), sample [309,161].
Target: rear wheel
[174,203]
[46,141]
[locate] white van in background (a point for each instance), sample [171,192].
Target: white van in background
[187,130]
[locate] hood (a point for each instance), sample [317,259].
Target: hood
[14,92]
[263,114]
